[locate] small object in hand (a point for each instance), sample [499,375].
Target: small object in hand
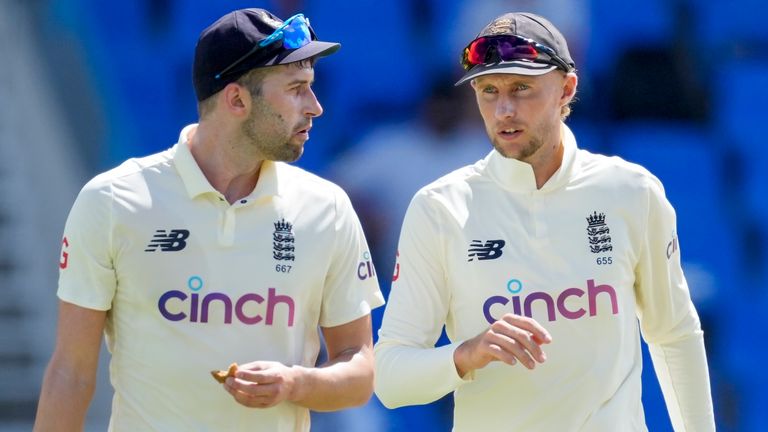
[221,375]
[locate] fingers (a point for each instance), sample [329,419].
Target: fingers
[538,332]
[257,366]
[510,345]
[264,376]
[254,395]
[261,372]
[260,384]
[499,353]
[517,338]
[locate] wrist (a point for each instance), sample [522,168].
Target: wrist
[299,377]
[460,360]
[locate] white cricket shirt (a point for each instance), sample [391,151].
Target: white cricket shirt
[586,255]
[193,283]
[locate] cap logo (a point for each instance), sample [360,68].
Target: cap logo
[269,20]
[501,26]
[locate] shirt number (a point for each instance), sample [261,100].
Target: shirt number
[604,260]
[282,268]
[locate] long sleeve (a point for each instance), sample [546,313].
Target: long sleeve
[681,368]
[669,321]
[409,369]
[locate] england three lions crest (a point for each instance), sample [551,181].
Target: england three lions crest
[598,233]
[283,241]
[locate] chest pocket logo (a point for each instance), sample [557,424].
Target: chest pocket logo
[489,250]
[172,241]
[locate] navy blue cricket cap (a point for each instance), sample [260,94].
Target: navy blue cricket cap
[528,26]
[235,34]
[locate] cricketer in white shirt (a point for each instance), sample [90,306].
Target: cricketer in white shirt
[587,256]
[193,283]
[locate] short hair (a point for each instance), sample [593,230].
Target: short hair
[565,111]
[252,80]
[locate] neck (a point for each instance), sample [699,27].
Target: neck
[547,160]
[225,162]
[544,170]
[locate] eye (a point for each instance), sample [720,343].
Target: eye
[305,87]
[298,87]
[489,89]
[521,87]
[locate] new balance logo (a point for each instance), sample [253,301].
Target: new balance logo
[172,241]
[489,250]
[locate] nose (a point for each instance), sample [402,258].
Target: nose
[505,108]
[313,107]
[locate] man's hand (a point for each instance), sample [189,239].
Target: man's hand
[263,384]
[344,381]
[511,339]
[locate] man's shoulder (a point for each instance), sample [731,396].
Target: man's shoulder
[131,170]
[613,169]
[294,178]
[451,191]
[456,179]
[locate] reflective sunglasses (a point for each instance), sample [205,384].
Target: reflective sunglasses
[295,32]
[493,49]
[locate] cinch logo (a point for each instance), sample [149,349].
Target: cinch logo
[173,305]
[523,305]
[365,267]
[672,246]
[396,276]
[64,260]
[490,250]
[173,241]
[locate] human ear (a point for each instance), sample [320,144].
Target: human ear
[569,87]
[236,99]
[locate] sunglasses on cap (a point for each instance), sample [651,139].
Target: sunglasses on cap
[294,33]
[494,49]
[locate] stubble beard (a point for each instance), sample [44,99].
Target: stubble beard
[533,146]
[539,136]
[269,142]
[528,150]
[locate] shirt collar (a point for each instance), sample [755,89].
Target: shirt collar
[518,176]
[197,184]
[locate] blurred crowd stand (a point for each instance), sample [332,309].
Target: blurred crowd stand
[678,86]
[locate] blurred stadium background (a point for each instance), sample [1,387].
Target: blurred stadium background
[679,86]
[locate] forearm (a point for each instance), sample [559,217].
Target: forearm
[64,400]
[343,382]
[407,375]
[681,367]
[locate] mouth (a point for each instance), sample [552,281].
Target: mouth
[509,133]
[304,131]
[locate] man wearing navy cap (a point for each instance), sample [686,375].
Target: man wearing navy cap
[216,252]
[539,260]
